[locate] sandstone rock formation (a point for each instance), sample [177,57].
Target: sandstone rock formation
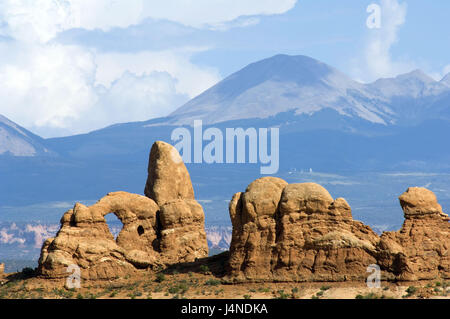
[168,178]
[164,229]
[281,232]
[421,248]
[2,269]
[253,216]
[297,232]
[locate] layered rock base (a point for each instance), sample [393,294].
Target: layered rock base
[297,232]
[281,232]
[164,228]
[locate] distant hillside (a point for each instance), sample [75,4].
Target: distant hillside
[17,141]
[307,86]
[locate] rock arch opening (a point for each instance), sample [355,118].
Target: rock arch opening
[105,238]
[114,224]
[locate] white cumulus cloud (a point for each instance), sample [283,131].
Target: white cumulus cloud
[41,233]
[43,19]
[213,13]
[57,89]
[7,238]
[377,60]
[45,85]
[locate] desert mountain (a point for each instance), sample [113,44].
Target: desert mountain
[280,84]
[414,97]
[17,141]
[283,83]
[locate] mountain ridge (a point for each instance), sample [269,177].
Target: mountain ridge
[315,94]
[292,79]
[282,82]
[18,141]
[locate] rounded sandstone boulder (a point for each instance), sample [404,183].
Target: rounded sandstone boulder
[262,197]
[308,198]
[168,178]
[419,201]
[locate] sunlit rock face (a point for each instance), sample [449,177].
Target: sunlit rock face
[298,232]
[421,248]
[159,230]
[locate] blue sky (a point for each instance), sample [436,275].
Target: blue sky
[71,66]
[334,32]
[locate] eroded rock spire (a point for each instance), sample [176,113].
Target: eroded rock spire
[164,229]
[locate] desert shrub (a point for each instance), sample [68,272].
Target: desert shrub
[160,277]
[212,282]
[183,287]
[63,293]
[369,295]
[282,295]
[179,288]
[158,288]
[173,290]
[411,290]
[204,269]
[134,294]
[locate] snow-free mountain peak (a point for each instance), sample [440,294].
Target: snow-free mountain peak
[415,75]
[17,141]
[279,84]
[307,86]
[415,84]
